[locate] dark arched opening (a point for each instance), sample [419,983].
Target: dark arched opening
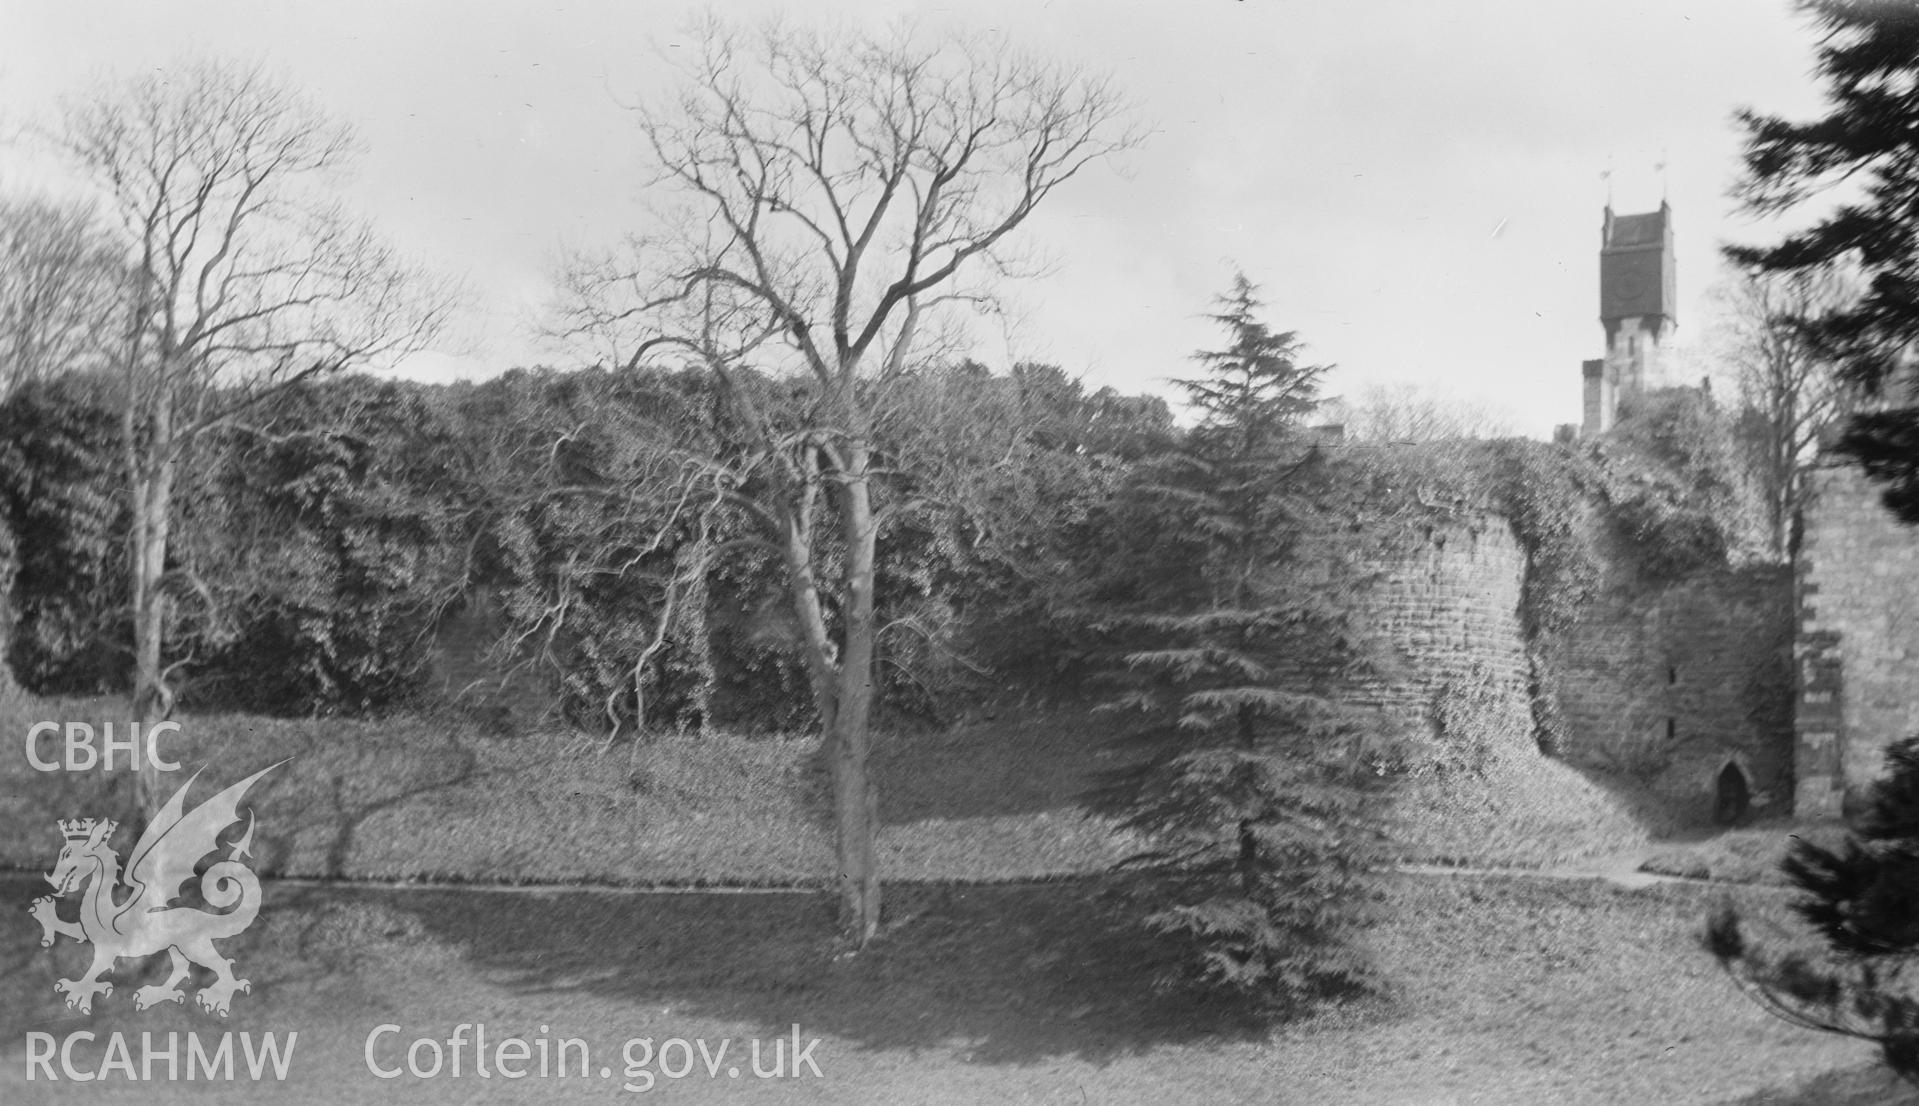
[1732,797]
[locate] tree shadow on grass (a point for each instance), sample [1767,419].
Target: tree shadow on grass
[330,782]
[1007,974]
[320,800]
[1870,1086]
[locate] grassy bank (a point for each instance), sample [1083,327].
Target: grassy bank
[1522,812]
[418,796]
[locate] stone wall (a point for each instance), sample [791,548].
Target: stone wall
[1680,684]
[1858,649]
[1671,683]
[1444,603]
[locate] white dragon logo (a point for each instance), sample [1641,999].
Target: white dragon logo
[143,923]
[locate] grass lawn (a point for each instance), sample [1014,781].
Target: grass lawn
[985,987]
[1506,991]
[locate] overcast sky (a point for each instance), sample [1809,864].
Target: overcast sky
[1416,184]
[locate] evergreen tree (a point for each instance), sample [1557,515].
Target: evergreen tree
[1862,900]
[1868,140]
[1250,783]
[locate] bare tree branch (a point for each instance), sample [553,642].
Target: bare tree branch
[817,194]
[61,287]
[1787,393]
[244,279]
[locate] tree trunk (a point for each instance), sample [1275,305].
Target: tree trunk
[1247,863]
[1781,465]
[151,471]
[842,681]
[9,573]
[7,683]
[849,737]
[821,657]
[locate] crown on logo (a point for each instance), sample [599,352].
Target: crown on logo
[82,828]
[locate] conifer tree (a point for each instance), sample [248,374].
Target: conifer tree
[1862,901]
[1866,146]
[1251,785]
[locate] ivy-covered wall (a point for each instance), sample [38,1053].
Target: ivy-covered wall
[1604,590]
[1444,604]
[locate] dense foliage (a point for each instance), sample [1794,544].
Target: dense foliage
[324,543]
[587,517]
[1674,481]
[59,492]
[298,580]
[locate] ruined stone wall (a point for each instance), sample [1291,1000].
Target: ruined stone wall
[1443,602]
[1858,646]
[1680,685]
[1671,683]
[1674,683]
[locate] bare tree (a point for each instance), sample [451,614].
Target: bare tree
[61,279]
[1414,413]
[1787,393]
[246,278]
[822,195]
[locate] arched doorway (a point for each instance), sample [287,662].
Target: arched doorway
[1732,796]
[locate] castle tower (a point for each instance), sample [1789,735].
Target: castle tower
[1637,294]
